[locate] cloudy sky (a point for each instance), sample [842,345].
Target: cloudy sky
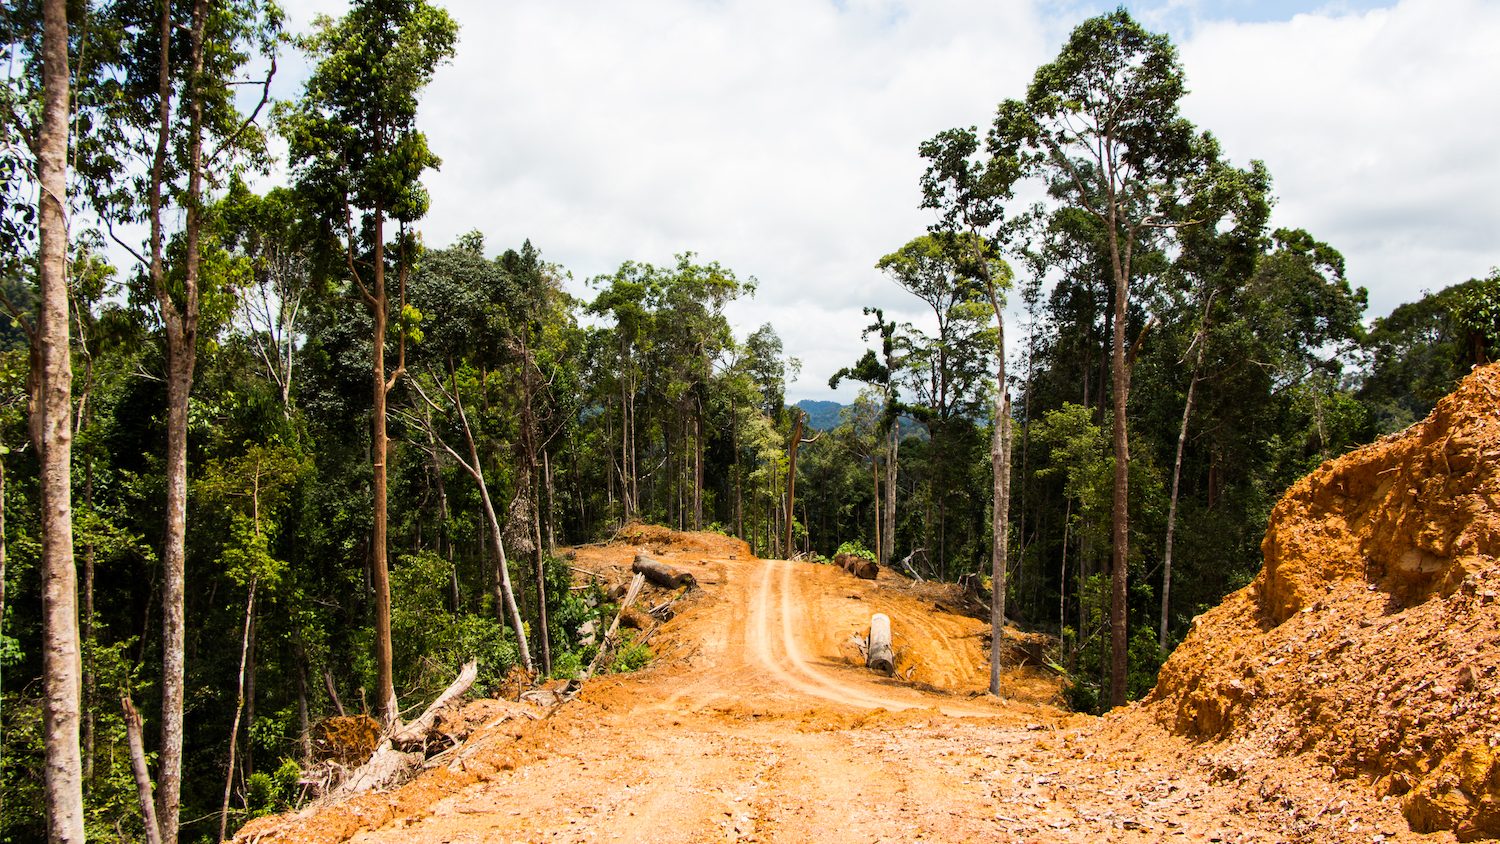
[779,136]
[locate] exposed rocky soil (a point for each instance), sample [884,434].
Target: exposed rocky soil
[1368,644]
[1349,694]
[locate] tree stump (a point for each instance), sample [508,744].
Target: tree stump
[879,655]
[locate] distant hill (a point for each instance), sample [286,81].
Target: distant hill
[821,415]
[824,416]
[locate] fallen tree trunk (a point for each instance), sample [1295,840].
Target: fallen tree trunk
[416,731]
[880,657]
[858,566]
[662,574]
[630,595]
[391,763]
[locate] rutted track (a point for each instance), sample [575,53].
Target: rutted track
[757,724]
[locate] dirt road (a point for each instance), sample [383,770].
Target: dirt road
[756,725]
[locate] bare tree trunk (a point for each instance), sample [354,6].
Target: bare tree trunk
[333,692]
[1000,525]
[52,431]
[139,769]
[385,691]
[181,329]
[544,630]
[791,477]
[551,503]
[506,599]
[1182,431]
[875,477]
[1120,508]
[698,467]
[891,468]
[239,708]
[304,720]
[1000,495]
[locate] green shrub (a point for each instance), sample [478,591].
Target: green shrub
[631,656]
[856,548]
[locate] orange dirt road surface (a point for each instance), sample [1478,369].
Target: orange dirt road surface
[756,723]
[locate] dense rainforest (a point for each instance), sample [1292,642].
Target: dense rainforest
[286,459]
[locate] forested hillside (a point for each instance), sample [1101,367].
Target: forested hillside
[269,455]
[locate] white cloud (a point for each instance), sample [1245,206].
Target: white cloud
[1379,128]
[779,136]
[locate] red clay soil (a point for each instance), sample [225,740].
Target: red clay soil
[1368,644]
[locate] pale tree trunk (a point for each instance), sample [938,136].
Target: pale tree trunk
[385,684]
[52,431]
[891,469]
[791,479]
[1187,410]
[180,325]
[1166,574]
[138,768]
[239,708]
[1000,495]
[506,599]
[875,477]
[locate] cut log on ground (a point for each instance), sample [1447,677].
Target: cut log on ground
[858,566]
[880,657]
[415,733]
[662,574]
[388,767]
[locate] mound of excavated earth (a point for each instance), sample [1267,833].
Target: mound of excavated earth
[1370,641]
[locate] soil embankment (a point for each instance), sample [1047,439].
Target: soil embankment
[1370,642]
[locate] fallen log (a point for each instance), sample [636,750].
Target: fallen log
[392,763]
[415,733]
[662,574]
[858,566]
[630,595]
[879,655]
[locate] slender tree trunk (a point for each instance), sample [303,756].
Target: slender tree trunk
[1182,431]
[248,754]
[791,477]
[698,467]
[506,597]
[1000,494]
[385,692]
[551,503]
[52,431]
[502,573]
[1062,575]
[875,478]
[181,329]
[891,469]
[1120,510]
[239,708]
[544,632]
[304,719]
[138,767]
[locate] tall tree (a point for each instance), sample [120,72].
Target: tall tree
[970,196]
[947,372]
[52,432]
[355,147]
[1101,123]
